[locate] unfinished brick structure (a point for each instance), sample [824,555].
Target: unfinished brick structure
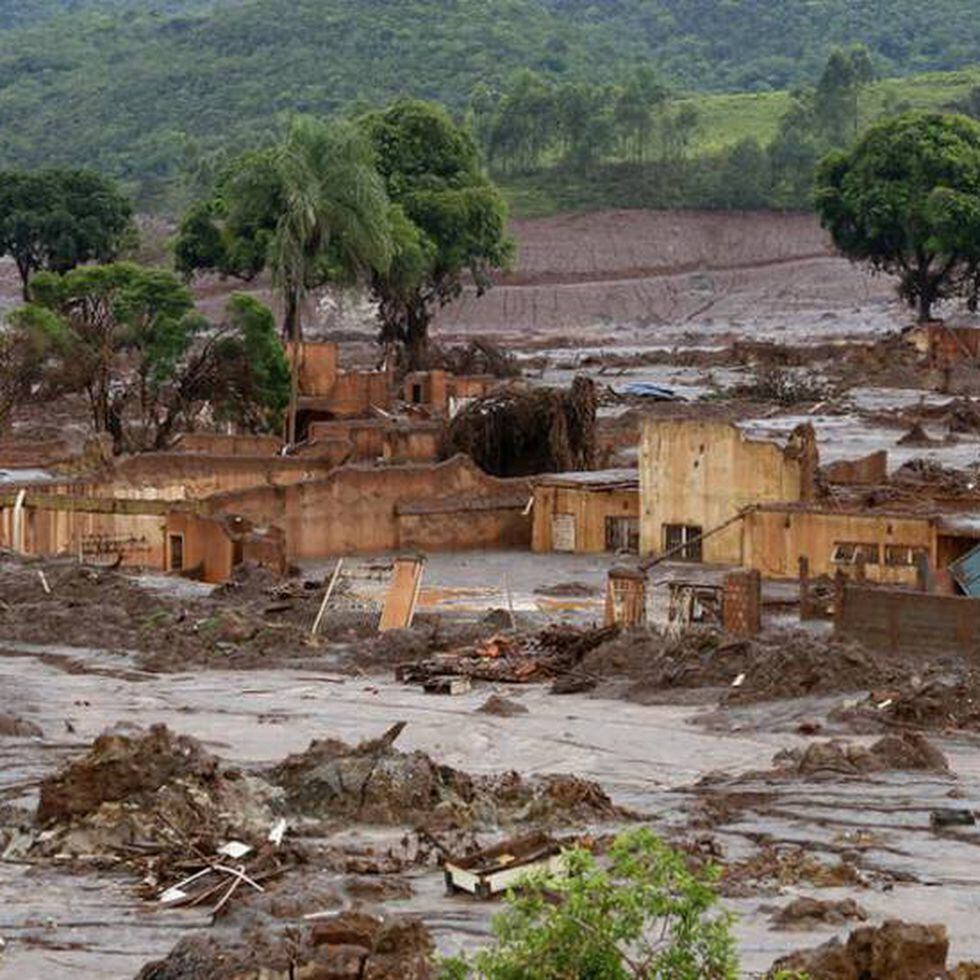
[741,603]
[907,622]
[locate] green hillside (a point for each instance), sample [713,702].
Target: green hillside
[145,88]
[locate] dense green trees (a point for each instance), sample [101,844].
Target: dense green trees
[145,91]
[906,200]
[130,339]
[448,220]
[395,199]
[56,219]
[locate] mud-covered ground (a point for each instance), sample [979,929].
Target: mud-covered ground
[817,775]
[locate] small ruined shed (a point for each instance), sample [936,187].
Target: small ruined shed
[587,512]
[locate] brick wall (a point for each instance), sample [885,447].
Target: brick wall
[899,621]
[741,603]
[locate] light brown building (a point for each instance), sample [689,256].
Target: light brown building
[587,512]
[697,476]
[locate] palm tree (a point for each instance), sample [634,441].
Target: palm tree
[333,224]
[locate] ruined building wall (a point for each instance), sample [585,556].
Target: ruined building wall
[217,444]
[908,622]
[53,526]
[702,473]
[355,509]
[775,539]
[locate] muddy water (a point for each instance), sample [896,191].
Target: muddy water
[90,926]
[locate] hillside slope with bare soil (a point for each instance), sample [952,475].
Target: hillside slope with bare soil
[609,273]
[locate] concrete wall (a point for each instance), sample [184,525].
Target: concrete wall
[355,509]
[867,471]
[435,388]
[909,622]
[190,476]
[373,439]
[702,473]
[775,539]
[589,507]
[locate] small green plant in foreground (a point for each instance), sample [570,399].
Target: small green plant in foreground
[643,915]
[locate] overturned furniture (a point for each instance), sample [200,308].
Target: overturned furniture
[497,869]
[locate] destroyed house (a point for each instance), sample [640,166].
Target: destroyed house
[711,493]
[698,477]
[587,512]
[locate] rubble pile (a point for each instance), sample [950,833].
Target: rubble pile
[778,664]
[806,914]
[772,868]
[893,951]
[150,799]
[351,944]
[512,658]
[376,783]
[945,701]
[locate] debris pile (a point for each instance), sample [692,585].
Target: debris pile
[375,783]
[150,798]
[893,951]
[519,432]
[12,726]
[348,944]
[772,868]
[806,914]
[778,664]
[946,701]
[512,658]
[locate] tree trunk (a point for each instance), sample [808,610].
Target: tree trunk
[293,329]
[925,301]
[416,337]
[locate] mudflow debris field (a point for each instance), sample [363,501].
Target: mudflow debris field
[194,786]
[220,810]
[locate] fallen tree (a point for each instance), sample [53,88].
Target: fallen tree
[518,432]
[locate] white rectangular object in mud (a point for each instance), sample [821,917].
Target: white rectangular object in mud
[499,868]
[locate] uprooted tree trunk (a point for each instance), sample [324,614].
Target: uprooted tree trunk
[519,432]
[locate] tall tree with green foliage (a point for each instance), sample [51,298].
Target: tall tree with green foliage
[130,339]
[449,220]
[906,200]
[56,219]
[312,209]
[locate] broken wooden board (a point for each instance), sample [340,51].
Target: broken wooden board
[403,594]
[493,871]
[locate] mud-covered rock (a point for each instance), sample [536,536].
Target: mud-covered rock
[11,726]
[906,751]
[893,951]
[351,946]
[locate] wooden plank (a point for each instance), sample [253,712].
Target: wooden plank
[403,594]
[326,597]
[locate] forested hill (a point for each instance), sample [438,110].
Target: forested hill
[136,86]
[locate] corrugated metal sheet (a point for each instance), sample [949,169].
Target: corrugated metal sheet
[966,572]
